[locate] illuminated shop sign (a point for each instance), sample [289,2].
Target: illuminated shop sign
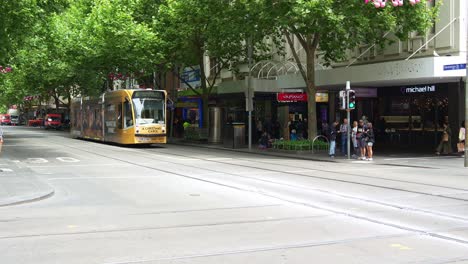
[320,97]
[418,89]
[291,97]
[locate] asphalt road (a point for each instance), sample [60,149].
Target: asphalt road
[183,204]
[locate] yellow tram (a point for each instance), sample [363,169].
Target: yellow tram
[121,116]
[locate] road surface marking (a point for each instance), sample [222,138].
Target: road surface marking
[5,170]
[67,159]
[400,246]
[37,160]
[300,171]
[407,159]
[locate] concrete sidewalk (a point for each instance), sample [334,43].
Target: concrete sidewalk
[394,159]
[19,185]
[18,189]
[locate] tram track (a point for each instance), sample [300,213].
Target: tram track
[149,228]
[306,188]
[353,174]
[290,199]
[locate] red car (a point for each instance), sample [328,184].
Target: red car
[5,119]
[53,121]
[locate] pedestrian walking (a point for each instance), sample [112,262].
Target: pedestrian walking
[354,139]
[461,139]
[332,137]
[370,140]
[344,137]
[361,139]
[445,145]
[259,129]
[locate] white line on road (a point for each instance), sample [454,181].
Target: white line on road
[218,159]
[67,159]
[81,165]
[36,160]
[407,159]
[299,171]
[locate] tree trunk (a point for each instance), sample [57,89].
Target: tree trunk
[311,91]
[57,101]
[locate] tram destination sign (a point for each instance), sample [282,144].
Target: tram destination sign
[418,89]
[149,94]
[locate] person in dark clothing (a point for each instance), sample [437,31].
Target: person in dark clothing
[276,129]
[332,137]
[264,141]
[361,139]
[445,145]
[370,140]
[305,125]
[299,129]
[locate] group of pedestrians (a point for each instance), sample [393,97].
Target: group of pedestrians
[362,139]
[445,144]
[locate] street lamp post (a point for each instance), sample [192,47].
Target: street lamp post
[248,96]
[466,95]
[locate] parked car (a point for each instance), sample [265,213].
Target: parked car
[5,119]
[53,121]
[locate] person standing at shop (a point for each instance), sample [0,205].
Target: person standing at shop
[332,137]
[344,136]
[354,139]
[445,145]
[361,139]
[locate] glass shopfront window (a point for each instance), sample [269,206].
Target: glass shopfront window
[413,115]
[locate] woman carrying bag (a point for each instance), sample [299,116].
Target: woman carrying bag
[461,139]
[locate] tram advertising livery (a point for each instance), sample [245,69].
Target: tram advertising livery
[121,116]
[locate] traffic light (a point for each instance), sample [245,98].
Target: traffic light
[351,96]
[342,100]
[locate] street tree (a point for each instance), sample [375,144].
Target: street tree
[332,27]
[190,30]
[18,20]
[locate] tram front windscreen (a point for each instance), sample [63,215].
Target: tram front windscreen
[149,107]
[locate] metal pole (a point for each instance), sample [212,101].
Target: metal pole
[348,112]
[249,87]
[466,94]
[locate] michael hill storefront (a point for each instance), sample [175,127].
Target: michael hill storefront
[413,115]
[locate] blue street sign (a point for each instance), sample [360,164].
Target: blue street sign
[453,67]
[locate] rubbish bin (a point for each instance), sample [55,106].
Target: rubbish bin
[234,135]
[215,135]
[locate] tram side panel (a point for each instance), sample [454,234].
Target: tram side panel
[118,119]
[92,120]
[76,119]
[112,119]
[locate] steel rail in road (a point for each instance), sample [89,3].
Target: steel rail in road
[277,196]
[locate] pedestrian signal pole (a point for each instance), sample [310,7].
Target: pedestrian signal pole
[466,96]
[348,112]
